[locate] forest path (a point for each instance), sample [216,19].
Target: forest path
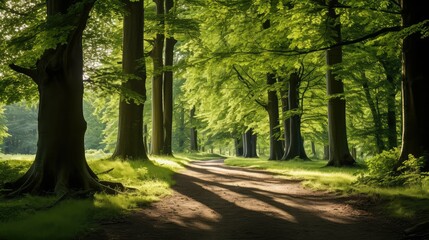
[214,201]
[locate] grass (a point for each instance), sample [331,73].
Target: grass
[411,202]
[32,217]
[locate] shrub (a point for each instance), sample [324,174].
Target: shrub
[382,171]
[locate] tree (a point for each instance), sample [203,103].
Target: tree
[129,144]
[193,131]
[415,83]
[157,82]
[60,166]
[339,154]
[170,41]
[295,144]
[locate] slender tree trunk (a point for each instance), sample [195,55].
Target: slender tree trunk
[157,86]
[60,166]
[339,153]
[145,134]
[194,138]
[378,133]
[276,147]
[313,150]
[415,85]
[326,152]
[168,86]
[181,137]
[284,93]
[254,139]
[130,125]
[392,133]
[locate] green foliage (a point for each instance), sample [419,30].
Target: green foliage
[383,171]
[21,123]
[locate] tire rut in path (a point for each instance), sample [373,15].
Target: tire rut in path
[213,201]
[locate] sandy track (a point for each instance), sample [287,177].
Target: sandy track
[213,201]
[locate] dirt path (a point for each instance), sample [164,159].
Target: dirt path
[213,201]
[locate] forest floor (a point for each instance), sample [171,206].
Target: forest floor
[214,201]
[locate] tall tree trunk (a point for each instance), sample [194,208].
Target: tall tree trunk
[238,144]
[415,85]
[168,86]
[60,166]
[181,135]
[130,127]
[296,144]
[378,133]
[313,149]
[326,152]
[392,133]
[284,93]
[194,138]
[339,153]
[249,144]
[157,86]
[276,147]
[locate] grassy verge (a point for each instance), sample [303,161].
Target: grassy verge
[32,217]
[402,202]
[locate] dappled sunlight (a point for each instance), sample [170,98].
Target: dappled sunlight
[250,203]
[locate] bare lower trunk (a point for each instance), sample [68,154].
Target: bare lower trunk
[339,154]
[130,127]
[415,86]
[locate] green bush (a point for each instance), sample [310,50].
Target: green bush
[383,171]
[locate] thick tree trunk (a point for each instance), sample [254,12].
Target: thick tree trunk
[249,144]
[296,145]
[157,88]
[339,153]
[60,166]
[238,144]
[415,85]
[130,126]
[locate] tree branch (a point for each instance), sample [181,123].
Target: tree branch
[26,71]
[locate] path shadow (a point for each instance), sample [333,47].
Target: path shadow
[274,215]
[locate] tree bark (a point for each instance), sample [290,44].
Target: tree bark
[415,86]
[296,144]
[168,86]
[276,147]
[157,86]
[60,166]
[339,153]
[194,138]
[376,118]
[238,144]
[130,125]
[249,144]
[391,68]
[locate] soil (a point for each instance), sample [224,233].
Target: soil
[214,201]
